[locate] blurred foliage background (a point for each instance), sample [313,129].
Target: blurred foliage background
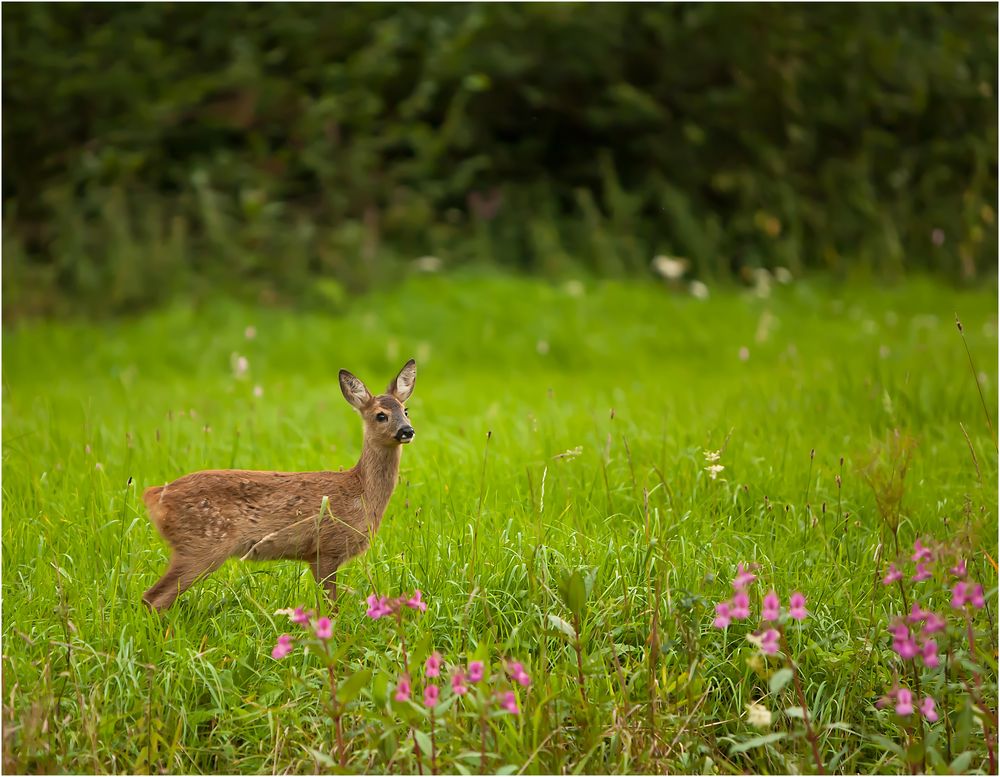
[299,153]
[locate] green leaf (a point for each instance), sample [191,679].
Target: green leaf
[380,688]
[561,625]
[574,593]
[423,741]
[507,769]
[963,727]
[422,649]
[887,744]
[750,744]
[321,758]
[588,582]
[960,763]
[351,687]
[780,679]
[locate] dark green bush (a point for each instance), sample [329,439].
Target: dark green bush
[156,148]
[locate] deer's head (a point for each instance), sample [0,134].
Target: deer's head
[386,422]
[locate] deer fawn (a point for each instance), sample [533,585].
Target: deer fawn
[208,516]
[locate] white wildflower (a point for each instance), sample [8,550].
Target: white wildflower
[258,391]
[428,264]
[711,456]
[574,289]
[713,470]
[762,282]
[698,290]
[240,365]
[250,332]
[542,346]
[572,453]
[782,275]
[744,354]
[758,715]
[670,267]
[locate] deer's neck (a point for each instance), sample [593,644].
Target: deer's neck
[378,469]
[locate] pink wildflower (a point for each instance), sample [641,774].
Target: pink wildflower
[963,593]
[458,686]
[739,606]
[927,709]
[892,576]
[898,629]
[475,671]
[797,606]
[432,667]
[769,642]
[904,702]
[959,595]
[772,607]
[916,613]
[958,570]
[906,648]
[928,652]
[509,702]
[403,689]
[920,552]
[300,616]
[431,693]
[283,647]
[517,672]
[378,607]
[722,615]
[923,573]
[743,577]
[323,628]
[415,603]
[934,623]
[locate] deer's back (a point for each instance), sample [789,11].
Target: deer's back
[242,506]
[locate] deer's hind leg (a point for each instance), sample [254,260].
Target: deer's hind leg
[324,569]
[181,573]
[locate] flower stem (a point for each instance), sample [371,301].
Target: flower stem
[337,716]
[433,746]
[810,733]
[482,737]
[579,657]
[988,717]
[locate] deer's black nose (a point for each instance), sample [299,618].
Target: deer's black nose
[405,434]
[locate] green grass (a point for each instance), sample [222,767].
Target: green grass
[487,521]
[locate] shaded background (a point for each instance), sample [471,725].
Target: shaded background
[302,153]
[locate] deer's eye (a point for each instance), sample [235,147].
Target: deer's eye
[381,417]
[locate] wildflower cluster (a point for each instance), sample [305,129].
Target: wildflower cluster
[321,628]
[713,468]
[915,636]
[461,678]
[737,608]
[381,606]
[902,700]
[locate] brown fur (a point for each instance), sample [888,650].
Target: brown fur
[209,516]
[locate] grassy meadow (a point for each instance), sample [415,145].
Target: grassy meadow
[561,428]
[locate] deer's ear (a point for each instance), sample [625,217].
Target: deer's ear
[354,390]
[402,385]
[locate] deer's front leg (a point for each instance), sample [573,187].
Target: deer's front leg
[324,569]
